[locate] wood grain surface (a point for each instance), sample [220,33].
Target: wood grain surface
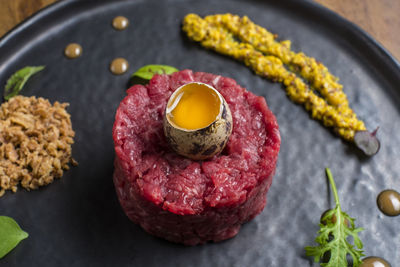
[380,18]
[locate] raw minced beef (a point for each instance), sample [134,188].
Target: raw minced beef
[189,201]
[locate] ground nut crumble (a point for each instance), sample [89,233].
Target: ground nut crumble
[35,142]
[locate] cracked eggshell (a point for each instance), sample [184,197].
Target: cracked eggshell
[200,144]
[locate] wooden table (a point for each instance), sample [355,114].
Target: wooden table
[380,18]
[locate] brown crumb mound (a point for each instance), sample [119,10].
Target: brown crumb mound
[35,142]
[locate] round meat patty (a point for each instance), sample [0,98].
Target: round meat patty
[183,200]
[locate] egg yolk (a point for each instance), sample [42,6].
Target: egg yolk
[195,106]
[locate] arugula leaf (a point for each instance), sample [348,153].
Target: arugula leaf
[333,235]
[147,72]
[17,81]
[10,235]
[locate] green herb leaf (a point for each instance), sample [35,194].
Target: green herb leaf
[147,72]
[10,235]
[333,235]
[17,81]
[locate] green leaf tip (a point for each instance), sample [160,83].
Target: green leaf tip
[147,72]
[17,81]
[10,235]
[333,246]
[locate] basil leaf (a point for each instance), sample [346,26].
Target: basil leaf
[147,72]
[17,81]
[10,235]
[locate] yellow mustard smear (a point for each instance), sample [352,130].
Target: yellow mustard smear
[194,106]
[258,49]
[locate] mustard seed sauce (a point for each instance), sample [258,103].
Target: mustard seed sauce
[120,23]
[259,51]
[73,50]
[374,262]
[119,66]
[389,202]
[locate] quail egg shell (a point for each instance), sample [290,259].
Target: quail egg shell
[197,121]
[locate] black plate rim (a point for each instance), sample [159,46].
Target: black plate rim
[390,66]
[387,63]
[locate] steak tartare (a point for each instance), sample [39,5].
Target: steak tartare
[183,200]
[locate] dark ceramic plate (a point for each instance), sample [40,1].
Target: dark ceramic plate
[77,221]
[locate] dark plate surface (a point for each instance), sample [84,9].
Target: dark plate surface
[77,221]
